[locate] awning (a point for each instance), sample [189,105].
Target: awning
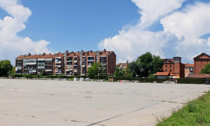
[48,70]
[31,63]
[103,56]
[40,59]
[48,59]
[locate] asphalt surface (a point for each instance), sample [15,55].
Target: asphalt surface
[66,103]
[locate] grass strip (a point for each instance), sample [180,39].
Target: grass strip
[194,113]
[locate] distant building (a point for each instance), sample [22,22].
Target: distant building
[189,69]
[200,61]
[68,63]
[174,66]
[122,65]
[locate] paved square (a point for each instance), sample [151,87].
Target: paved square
[65,103]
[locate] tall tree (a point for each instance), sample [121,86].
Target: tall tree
[5,67]
[206,69]
[145,65]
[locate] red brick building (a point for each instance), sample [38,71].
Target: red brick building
[200,61]
[174,67]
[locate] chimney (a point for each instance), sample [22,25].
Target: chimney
[67,51]
[50,53]
[29,54]
[43,54]
[104,50]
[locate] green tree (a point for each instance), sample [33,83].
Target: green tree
[145,65]
[12,71]
[206,69]
[127,72]
[5,67]
[157,64]
[94,70]
[42,73]
[118,71]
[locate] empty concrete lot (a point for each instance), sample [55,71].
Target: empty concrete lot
[62,103]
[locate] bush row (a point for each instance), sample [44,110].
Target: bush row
[47,76]
[140,79]
[192,80]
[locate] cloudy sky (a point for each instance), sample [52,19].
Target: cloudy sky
[130,27]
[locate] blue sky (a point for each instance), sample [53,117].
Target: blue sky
[129,27]
[77,24]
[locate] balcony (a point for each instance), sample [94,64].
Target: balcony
[19,61]
[41,63]
[48,70]
[90,60]
[75,64]
[75,61]
[31,63]
[69,67]
[69,60]
[57,66]
[75,70]
[48,64]
[58,62]
[41,67]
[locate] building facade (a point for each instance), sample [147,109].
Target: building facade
[174,67]
[200,61]
[68,63]
[189,69]
[77,63]
[35,64]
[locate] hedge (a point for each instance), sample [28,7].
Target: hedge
[47,76]
[140,79]
[192,81]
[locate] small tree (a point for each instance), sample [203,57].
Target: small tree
[94,70]
[118,71]
[42,73]
[206,69]
[5,67]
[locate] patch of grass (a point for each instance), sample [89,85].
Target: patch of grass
[195,113]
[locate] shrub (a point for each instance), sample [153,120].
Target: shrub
[140,79]
[192,81]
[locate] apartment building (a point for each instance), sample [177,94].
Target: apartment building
[35,64]
[77,63]
[68,63]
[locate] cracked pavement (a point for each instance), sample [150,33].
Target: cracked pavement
[66,103]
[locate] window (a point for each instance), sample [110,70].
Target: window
[166,61]
[166,70]
[166,65]
[170,70]
[170,66]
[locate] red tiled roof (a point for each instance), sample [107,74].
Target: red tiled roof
[198,76]
[162,74]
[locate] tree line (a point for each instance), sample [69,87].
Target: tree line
[145,65]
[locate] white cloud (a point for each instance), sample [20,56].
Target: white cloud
[192,22]
[13,45]
[134,41]
[181,36]
[152,10]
